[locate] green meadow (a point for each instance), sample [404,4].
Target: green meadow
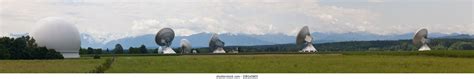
[322,62]
[49,66]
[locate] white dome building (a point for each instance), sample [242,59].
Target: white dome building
[58,34]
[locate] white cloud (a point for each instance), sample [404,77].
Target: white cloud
[247,17]
[375,1]
[2,34]
[113,19]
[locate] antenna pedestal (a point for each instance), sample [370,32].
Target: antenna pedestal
[309,48]
[219,50]
[168,50]
[424,48]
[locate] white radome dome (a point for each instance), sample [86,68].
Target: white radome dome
[58,34]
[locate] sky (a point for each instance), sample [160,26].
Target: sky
[108,20]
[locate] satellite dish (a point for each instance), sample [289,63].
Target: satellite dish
[164,37]
[216,45]
[185,46]
[304,37]
[421,38]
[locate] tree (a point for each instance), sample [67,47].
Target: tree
[143,49]
[90,50]
[97,53]
[155,50]
[53,54]
[45,53]
[130,50]
[19,49]
[462,46]
[133,50]
[118,49]
[4,54]
[439,47]
[25,48]
[82,51]
[107,51]
[31,43]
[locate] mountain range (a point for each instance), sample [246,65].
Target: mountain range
[202,39]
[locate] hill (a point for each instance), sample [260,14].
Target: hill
[201,39]
[461,36]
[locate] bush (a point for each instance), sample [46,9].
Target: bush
[96,56]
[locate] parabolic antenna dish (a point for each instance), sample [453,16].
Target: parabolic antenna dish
[58,34]
[304,37]
[163,38]
[185,46]
[216,45]
[421,38]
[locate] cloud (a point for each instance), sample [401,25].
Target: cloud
[375,1]
[255,17]
[2,34]
[108,20]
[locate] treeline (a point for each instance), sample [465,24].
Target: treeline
[119,50]
[381,45]
[25,48]
[131,50]
[140,50]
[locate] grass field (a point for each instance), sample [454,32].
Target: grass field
[303,63]
[325,62]
[82,65]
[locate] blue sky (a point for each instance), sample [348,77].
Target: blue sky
[113,19]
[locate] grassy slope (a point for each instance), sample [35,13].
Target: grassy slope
[298,63]
[49,66]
